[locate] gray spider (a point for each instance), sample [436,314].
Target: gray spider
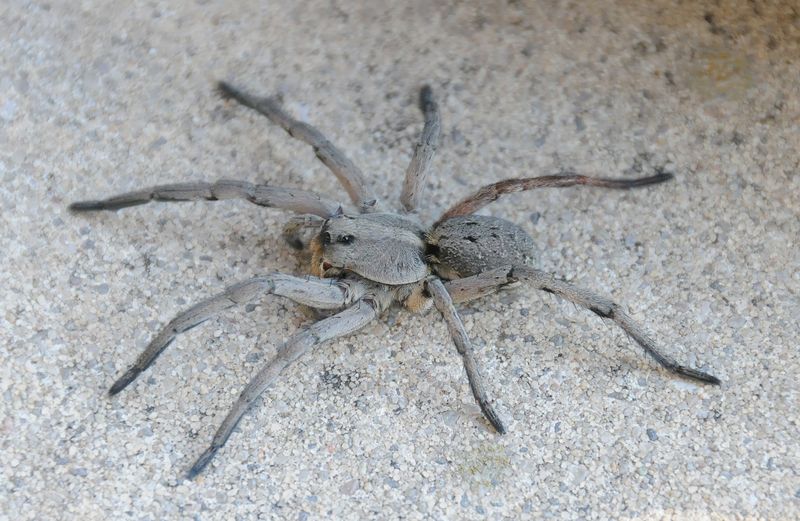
[364,260]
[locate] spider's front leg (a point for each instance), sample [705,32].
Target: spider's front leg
[348,321]
[345,171]
[300,201]
[311,291]
[417,170]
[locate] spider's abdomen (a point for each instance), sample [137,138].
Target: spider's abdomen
[464,246]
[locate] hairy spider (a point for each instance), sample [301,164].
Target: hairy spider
[365,259]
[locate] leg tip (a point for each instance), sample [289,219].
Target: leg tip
[117,388]
[228,92]
[225,89]
[123,381]
[426,102]
[699,375]
[113,204]
[491,415]
[85,206]
[663,177]
[201,462]
[193,472]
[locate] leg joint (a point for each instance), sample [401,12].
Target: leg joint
[603,313]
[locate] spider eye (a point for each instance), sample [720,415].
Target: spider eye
[346,239]
[326,238]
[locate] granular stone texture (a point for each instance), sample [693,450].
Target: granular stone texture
[103,97]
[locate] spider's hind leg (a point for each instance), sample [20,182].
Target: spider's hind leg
[485,283]
[605,308]
[494,191]
[443,302]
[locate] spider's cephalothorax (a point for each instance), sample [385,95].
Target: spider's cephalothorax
[362,261]
[381,247]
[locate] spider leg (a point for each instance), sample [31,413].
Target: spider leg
[311,291]
[484,283]
[345,171]
[606,308]
[299,201]
[443,302]
[423,152]
[494,191]
[477,286]
[348,321]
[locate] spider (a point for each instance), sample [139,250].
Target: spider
[366,258]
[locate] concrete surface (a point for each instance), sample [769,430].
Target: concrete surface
[99,98]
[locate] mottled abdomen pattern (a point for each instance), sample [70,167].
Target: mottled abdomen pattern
[464,246]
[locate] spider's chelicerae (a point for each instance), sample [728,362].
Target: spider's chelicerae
[367,257]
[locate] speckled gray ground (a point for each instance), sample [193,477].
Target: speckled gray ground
[97,98]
